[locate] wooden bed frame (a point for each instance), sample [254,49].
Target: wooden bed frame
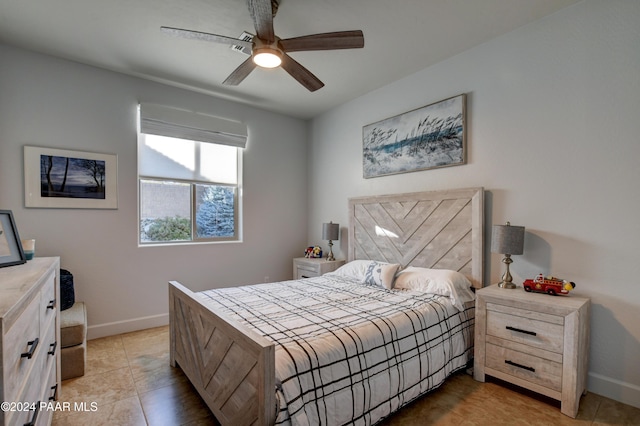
[233,368]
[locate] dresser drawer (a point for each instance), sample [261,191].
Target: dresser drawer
[50,394]
[29,403]
[50,348]
[16,342]
[535,329]
[37,382]
[48,303]
[524,366]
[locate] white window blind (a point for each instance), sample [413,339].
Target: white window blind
[177,123]
[165,157]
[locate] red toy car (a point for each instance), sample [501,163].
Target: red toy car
[549,285]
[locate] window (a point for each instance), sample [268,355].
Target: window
[189,190]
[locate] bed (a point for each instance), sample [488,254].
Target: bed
[302,352]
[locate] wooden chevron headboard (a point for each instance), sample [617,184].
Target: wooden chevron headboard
[436,229]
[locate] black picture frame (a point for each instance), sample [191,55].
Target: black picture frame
[11,252]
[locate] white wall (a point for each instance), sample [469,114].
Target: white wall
[553,124]
[50,102]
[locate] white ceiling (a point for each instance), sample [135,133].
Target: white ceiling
[401,38]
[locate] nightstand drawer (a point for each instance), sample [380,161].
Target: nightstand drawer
[535,329]
[306,272]
[524,366]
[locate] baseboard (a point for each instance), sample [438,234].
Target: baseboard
[624,392]
[126,326]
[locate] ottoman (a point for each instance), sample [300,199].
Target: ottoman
[73,336]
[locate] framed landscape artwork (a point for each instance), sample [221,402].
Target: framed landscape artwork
[60,178]
[425,138]
[11,252]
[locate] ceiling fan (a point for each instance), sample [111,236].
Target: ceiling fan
[269,51]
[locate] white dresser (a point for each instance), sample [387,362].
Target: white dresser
[30,325]
[536,341]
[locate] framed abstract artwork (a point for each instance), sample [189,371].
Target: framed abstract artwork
[425,138]
[60,178]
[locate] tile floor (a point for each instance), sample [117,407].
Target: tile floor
[129,381]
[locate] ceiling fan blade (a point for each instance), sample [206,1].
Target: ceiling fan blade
[206,37]
[324,41]
[240,73]
[300,73]
[262,13]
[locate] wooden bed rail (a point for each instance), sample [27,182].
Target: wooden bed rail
[232,368]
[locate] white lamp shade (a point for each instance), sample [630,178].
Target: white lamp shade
[507,239]
[330,231]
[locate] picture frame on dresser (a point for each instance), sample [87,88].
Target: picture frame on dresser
[11,252]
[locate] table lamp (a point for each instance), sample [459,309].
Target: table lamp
[330,231]
[507,240]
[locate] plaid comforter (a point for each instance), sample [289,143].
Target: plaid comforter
[350,353]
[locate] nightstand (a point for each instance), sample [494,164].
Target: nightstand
[535,341]
[304,267]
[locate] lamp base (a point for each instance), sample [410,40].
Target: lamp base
[506,284]
[506,281]
[330,255]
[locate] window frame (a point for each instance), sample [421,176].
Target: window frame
[237,214]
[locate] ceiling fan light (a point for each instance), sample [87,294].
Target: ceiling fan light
[267,58]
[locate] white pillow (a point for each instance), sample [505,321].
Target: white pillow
[443,282]
[365,271]
[354,269]
[381,274]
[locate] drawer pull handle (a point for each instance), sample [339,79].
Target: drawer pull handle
[532,333]
[35,416]
[53,346]
[34,344]
[52,304]
[515,364]
[54,388]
